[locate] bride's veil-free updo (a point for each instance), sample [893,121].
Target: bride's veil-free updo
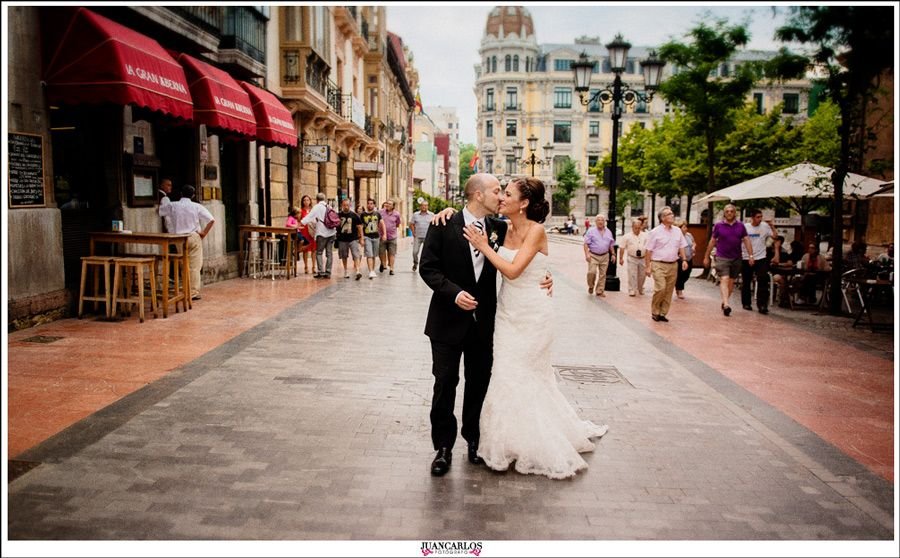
[532,189]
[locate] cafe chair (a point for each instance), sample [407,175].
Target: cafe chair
[98,264]
[128,271]
[850,288]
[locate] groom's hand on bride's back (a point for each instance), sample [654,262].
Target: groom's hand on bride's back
[441,217]
[547,283]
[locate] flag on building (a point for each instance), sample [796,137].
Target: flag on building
[473,164]
[418,102]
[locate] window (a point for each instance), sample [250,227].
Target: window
[607,67]
[594,129]
[512,98]
[489,99]
[629,66]
[562,131]
[791,103]
[723,70]
[489,129]
[591,204]
[487,65]
[488,163]
[516,63]
[493,64]
[510,128]
[563,65]
[640,107]
[562,97]
[508,63]
[510,164]
[592,161]
[527,63]
[595,105]
[758,101]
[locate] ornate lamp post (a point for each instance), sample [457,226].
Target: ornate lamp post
[620,94]
[533,160]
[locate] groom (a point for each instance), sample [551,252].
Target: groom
[460,319]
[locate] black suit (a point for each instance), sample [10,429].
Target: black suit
[446,266]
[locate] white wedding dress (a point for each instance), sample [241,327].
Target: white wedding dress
[525,418]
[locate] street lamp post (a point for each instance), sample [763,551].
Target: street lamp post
[620,94]
[533,159]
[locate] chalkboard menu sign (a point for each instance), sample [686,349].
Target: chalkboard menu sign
[26,170]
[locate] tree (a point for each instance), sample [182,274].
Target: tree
[851,49]
[466,152]
[567,183]
[820,139]
[705,100]
[435,204]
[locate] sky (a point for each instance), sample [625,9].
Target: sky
[445,39]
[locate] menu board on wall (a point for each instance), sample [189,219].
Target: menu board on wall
[26,170]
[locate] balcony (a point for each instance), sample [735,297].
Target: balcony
[244,30]
[513,107]
[304,77]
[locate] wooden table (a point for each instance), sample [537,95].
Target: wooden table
[163,240]
[290,267]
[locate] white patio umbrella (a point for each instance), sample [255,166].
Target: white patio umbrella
[804,180]
[886,191]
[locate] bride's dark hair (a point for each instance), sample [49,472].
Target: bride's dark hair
[532,189]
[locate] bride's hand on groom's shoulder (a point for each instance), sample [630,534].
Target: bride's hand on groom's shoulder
[476,238]
[441,217]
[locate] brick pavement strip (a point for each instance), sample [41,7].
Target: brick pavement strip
[281,434]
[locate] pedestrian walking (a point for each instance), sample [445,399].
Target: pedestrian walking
[665,246]
[632,250]
[684,273]
[727,237]
[350,238]
[324,237]
[599,250]
[373,230]
[419,224]
[391,219]
[755,264]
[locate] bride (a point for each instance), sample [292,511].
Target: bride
[526,419]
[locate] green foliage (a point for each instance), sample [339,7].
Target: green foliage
[821,142]
[434,204]
[567,183]
[466,152]
[706,101]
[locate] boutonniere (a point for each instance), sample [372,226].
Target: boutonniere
[493,240]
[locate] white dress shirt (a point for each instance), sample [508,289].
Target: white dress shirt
[477,257]
[186,216]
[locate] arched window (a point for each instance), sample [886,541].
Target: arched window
[508,63]
[487,65]
[493,64]
[516,63]
[527,64]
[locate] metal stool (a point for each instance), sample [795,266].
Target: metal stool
[101,262]
[124,266]
[271,258]
[252,256]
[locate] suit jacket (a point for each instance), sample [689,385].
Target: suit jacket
[446,267]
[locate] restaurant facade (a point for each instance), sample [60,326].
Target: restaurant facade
[105,102]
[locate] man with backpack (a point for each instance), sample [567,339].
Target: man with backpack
[327,222]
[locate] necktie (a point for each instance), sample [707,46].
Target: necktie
[480,226]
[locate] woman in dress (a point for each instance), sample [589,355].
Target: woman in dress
[526,419]
[308,241]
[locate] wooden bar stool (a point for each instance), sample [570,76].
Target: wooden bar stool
[97,263]
[135,266]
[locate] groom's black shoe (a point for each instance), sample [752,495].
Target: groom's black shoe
[474,459]
[441,463]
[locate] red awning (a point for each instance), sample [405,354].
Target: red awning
[219,102]
[100,61]
[274,123]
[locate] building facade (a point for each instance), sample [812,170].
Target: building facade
[526,89]
[447,120]
[255,106]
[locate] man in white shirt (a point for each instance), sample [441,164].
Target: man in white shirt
[759,232]
[189,217]
[324,236]
[632,245]
[419,224]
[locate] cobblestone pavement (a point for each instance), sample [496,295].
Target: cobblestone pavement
[313,425]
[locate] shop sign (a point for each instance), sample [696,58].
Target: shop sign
[316,153]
